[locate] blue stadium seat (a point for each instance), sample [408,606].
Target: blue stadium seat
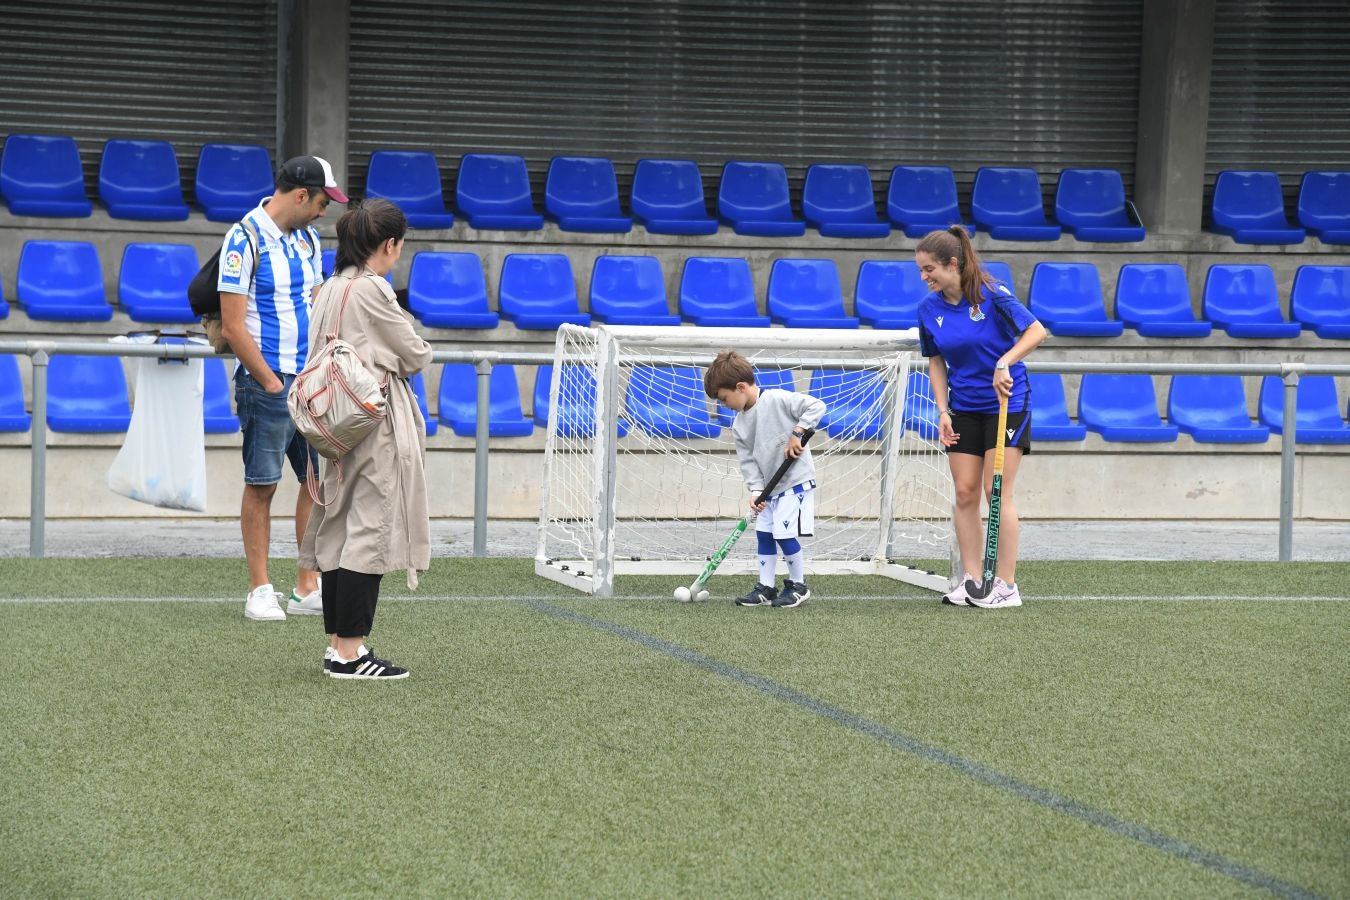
[838,200]
[1008,204]
[419,389]
[448,290]
[888,292]
[1122,408]
[40,175]
[62,281]
[457,405]
[1317,417]
[921,412]
[852,402]
[1324,205]
[1243,301]
[412,181]
[140,180]
[668,401]
[538,293]
[581,193]
[1213,410]
[493,191]
[1249,207]
[232,179]
[923,199]
[805,293]
[1001,272]
[630,290]
[1320,299]
[13,414]
[87,394]
[576,412]
[4,306]
[216,393]
[719,291]
[780,379]
[753,199]
[329,260]
[1155,300]
[668,198]
[1067,299]
[153,282]
[1091,203]
[1050,411]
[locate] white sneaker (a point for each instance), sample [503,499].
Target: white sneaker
[1003,596]
[262,605]
[310,604]
[957,596]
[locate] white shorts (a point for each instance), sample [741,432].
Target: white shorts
[790,514]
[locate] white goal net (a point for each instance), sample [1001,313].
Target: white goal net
[641,475]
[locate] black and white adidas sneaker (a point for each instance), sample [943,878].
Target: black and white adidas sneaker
[367,666]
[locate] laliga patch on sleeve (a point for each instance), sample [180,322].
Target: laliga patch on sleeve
[232,266]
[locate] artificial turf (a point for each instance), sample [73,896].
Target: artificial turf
[175,749]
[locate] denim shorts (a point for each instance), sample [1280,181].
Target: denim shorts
[269,434]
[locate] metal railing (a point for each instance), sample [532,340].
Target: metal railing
[41,352]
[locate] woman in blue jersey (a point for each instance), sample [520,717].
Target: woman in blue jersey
[975,334]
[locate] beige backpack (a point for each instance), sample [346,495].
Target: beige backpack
[335,401]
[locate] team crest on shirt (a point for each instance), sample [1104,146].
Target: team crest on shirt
[303,244]
[233,264]
[976,314]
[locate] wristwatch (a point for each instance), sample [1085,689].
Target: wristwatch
[798,433]
[1000,366]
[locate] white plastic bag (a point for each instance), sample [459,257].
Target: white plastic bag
[163,461]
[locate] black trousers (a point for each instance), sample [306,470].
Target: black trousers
[349,600]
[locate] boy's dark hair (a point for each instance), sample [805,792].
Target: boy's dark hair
[726,371]
[363,228]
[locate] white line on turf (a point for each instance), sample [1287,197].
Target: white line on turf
[445,598]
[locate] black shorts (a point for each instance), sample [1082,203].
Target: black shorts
[979,432]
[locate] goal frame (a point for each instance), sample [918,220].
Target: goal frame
[596,576]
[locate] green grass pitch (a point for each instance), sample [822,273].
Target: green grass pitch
[870,743]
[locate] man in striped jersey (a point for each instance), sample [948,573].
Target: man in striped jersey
[271,267]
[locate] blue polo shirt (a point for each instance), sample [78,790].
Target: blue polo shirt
[972,346]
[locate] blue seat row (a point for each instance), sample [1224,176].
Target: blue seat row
[62,281]
[1154,300]
[1209,408]
[1249,207]
[41,175]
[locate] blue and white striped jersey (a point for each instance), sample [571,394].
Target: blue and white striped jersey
[290,266]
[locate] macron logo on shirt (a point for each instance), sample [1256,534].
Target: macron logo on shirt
[939,321]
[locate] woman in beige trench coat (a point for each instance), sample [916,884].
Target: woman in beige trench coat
[374,514]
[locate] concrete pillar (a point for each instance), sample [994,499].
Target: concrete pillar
[313,42]
[1174,68]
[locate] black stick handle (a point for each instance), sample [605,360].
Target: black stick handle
[782,470]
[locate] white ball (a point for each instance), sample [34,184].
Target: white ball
[702,596]
[682,594]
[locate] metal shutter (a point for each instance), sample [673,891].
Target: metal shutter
[981,83]
[1279,91]
[187,72]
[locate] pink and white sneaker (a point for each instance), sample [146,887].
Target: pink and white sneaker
[957,596]
[1003,596]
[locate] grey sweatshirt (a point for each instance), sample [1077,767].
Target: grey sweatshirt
[762,433]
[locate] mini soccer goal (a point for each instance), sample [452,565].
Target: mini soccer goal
[641,475]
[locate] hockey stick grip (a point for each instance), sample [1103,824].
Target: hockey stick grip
[782,470]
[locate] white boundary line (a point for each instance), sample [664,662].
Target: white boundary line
[446,598]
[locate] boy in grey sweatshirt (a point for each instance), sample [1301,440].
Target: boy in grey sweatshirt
[769,426]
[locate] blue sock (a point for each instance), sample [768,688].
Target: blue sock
[796,559]
[768,557]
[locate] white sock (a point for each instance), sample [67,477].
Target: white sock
[360,652]
[797,566]
[767,564]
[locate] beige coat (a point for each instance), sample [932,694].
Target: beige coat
[376,518]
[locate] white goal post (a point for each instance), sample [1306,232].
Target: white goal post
[641,475]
